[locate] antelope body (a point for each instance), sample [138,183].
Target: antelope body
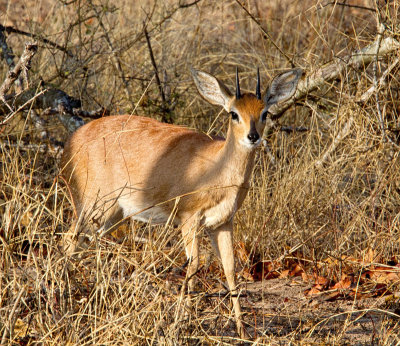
[131,166]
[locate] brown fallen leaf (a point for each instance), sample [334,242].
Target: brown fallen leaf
[380,274]
[241,253]
[343,284]
[316,289]
[265,270]
[247,275]
[321,280]
[284,274]
[306,277]
[296,271]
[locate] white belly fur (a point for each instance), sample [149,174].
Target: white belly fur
[154,215]
[211,218]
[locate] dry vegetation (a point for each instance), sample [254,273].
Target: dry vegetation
[323,215]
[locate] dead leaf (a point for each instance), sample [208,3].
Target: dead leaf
[305,277]
[121,231]
[20,328]
[343,284]
[284,274]
[393,276]
[241,252]
[265,270]
[333,296]
[321,280]
[247,275]
[316,289]
[297,270]
[370,256]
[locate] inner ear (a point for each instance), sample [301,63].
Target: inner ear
[212,89]
[282,87]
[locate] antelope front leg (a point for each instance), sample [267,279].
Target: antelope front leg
[223,245]
[72,241]
[189,233]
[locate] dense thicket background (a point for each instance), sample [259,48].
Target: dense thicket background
[325,192]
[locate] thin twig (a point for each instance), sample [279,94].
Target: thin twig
[116,59]
[335,3]
[24,63]
[10,116]
[189,4]
[381,30]
[10,29]
[265,32]
[153,62]
[381,82]
[158,81]
[340,136]
[334,71]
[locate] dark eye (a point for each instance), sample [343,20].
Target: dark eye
[264,116]
[234,116]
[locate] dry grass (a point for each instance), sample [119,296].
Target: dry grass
[326,204]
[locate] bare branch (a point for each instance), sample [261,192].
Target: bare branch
[10,29]
[164,109]
[335,3]
[48,98]
[334,70]
[24,63]
[116,60]
[6,51]
[23,106]
[265,32]
[340,136]
[57,100]
[380,83]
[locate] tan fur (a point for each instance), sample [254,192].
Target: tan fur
[131,166]
[109,160]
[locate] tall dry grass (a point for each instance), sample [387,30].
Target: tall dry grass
[324,203]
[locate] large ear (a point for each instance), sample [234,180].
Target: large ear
[282,87]
[213,90]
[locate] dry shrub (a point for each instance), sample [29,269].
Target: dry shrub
[311,191]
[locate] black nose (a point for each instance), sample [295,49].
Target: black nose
[253,137]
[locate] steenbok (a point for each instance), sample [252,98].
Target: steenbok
[131,166]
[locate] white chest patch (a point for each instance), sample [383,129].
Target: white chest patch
[220,213]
